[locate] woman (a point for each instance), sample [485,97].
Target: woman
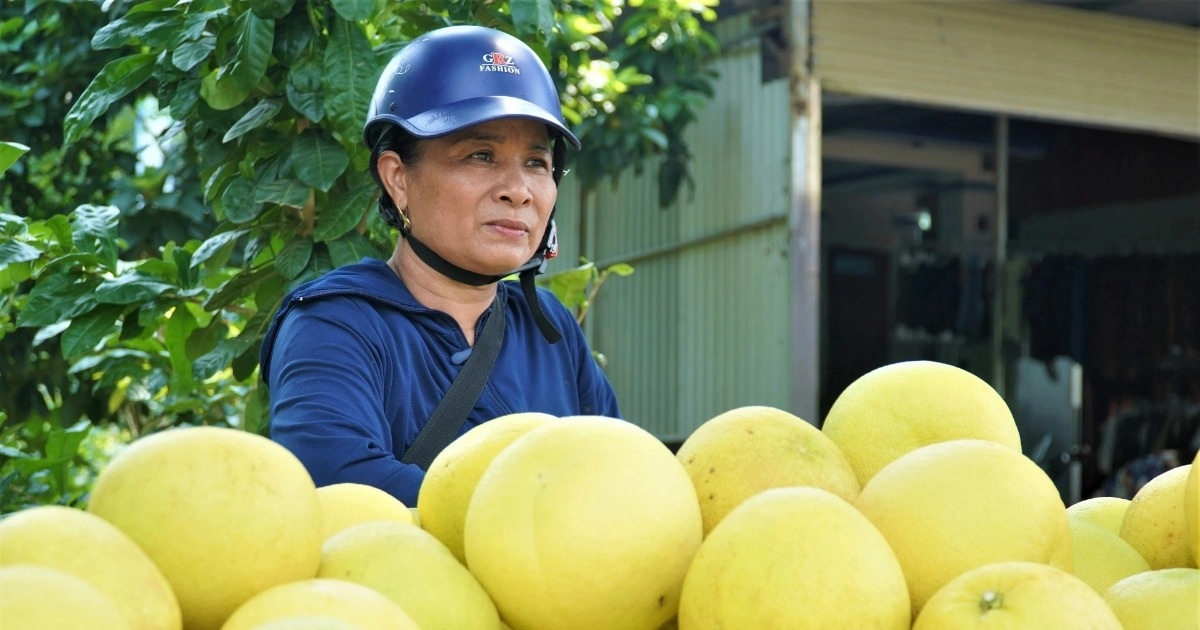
[467,146]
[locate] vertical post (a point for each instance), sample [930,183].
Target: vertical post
[1000,255]
[804,217]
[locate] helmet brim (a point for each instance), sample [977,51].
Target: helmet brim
[448,119]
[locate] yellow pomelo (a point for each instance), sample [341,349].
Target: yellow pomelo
[413,569]
[1102,558]
[1107,512]
[225,514]
[587,522]
[1157,600]
[1155,523]
[949,507]
[91,548]
[45,598]
[739,453]
[309,622]
[797,557]
[1191,508]
[346,504]
[1024,595]
[321,597]
[896,408]
[453,474]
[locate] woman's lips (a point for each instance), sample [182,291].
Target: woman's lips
[514,228]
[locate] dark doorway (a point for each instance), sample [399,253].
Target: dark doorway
[858,317]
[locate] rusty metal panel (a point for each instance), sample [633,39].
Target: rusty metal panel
[1018,58]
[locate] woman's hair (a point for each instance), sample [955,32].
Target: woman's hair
[410,149]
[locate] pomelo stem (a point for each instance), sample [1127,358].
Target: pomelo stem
[991,600]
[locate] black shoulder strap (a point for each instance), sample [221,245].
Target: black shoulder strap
[452,411]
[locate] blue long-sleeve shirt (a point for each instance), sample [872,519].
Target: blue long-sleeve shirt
[356,366]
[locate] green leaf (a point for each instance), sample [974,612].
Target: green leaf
[17,252]
[304,89]
[317,160]
[215,244]
[245,363]
[117,79]
[9,153]
[188,54]
[272,9]
[196,23]
[58,297]
[285,192]
[182,259]
[256,415]
[268,295]
[156,30]
[227,86]
[293,34]
[221,356]
[621,269]
[294,257]
[88,330]
[338,218]
[49,332]
[238,200]
[533,17]
[203,340]
[570,286]
[656,137]
[179,327]
[350,71]
[354,10]
[63,444]
[60,226]
[121,355]
[11,224]
[183,101]
[311,105]
[91,223]
[238,287]
[13,274]
[350,249]
[258,116]
[130,288]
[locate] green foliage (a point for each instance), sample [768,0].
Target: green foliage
[577,288]
[9,153]
[638,81]
[191,161]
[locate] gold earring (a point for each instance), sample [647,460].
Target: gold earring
[405,222]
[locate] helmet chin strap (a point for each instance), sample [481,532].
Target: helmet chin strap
[526,272]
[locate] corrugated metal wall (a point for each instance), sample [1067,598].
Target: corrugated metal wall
[702,325]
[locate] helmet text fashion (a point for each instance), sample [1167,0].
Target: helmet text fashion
[499,62]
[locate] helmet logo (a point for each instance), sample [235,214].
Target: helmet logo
[499,62]
[552,241]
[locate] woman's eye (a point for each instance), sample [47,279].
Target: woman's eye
[481,155]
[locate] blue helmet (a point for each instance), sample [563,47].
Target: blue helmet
[459,76]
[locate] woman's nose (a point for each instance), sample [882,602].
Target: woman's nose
[515,186]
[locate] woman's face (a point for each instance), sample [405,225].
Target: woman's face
[481,197]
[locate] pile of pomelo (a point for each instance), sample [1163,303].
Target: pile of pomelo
[911,507]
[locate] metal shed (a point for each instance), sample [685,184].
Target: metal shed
[725,307]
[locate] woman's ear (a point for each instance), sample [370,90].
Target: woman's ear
[392,174]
